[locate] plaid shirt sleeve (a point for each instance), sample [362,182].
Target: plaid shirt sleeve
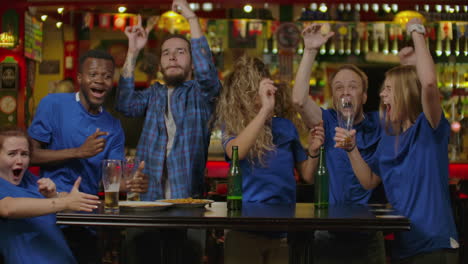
[130,102]
[204,69]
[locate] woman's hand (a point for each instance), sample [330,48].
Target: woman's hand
[316,139]
[139,182]
[78,201]
[345,139]
[47,187]
[267,92]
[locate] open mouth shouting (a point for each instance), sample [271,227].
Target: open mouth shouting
[17,175]
[98,93]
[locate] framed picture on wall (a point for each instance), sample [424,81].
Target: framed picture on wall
[9,76]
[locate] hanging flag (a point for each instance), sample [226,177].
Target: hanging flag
[104,20]
[88,20]
[133,20]
[120,22]
[255,28]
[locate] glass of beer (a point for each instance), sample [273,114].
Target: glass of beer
[345,116]
[111,175]
[130,167]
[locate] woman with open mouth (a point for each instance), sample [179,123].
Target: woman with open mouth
[411,158]
[28,229]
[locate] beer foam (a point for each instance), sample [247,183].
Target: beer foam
[113,187]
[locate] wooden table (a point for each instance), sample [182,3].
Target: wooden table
[299,220]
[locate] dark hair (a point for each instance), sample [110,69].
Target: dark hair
[8,131]
[96,54]
[179,36]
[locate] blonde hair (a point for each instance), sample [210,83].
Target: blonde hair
[237,105]
[406,89]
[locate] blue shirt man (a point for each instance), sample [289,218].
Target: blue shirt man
[72,133]
[176,133]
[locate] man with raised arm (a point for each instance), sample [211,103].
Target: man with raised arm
[347,81]
[176,133]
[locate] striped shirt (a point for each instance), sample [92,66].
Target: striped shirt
[192,105]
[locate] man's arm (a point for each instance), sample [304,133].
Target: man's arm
[130,102]
[204,69]
[368,179]
[309,110]
[93,145]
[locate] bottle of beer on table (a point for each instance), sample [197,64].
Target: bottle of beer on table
[234,196]
[321,182]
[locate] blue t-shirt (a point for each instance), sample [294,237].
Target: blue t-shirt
[31,240]
[414,170]
[344,186]
[274,183]
[62,123]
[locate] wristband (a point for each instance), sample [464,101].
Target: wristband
[315,156]
[351,148]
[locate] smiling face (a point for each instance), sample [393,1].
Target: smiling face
[14,158]
[347,83]
[95,80]
[176,61]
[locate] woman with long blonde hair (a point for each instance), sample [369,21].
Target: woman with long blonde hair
[412,157]
[257,115]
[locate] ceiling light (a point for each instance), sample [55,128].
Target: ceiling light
[122,9]
[44,18]
[194,6]
[207,7]
[60,10]
[248,8]
[323,8]
[58,24]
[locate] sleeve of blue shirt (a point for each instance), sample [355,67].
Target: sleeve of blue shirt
[130,102]
[297,149]
[204,69]
[41,127]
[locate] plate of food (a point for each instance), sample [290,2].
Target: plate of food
[187,202]
[143,205]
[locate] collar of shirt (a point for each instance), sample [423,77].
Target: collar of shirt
[77,98]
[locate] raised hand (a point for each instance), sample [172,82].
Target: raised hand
[316,139]
[182,7]
[137,36]
[267,92]
[47,187]
[78,201]
[313,38]
[139,182]
[93,145]
[413,21]
[345,139]
[407,56]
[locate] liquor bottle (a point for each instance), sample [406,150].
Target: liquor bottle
[234,196]
[321,182]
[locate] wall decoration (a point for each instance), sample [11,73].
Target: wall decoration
[9,76]
[49,67]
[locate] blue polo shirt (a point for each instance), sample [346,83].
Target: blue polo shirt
[274,183]
[344,186]
[62,122]
[414,169]
[31,240]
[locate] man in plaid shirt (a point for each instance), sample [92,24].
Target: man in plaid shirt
[176,133]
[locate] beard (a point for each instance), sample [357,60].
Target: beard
[176,79]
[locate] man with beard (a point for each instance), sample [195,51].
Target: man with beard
[175,138]
[72,134]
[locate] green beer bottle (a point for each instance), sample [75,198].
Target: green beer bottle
[234,196]
[321,182]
